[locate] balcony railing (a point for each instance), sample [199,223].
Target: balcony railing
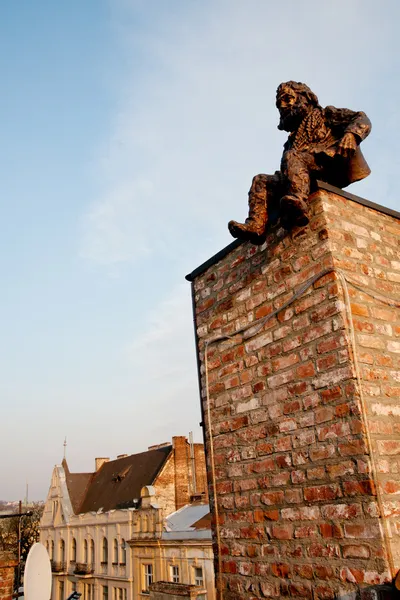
[58,566]
[84,569]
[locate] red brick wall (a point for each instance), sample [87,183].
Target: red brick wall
[7,568]
[201,472]
[182,471]
[295,483]
[366,244]
[174,483]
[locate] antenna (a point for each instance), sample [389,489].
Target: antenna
[65,446]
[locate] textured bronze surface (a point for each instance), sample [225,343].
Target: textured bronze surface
[323,144]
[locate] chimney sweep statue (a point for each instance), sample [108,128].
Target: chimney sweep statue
[323,143]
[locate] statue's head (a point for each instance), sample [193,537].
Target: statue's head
[294,100]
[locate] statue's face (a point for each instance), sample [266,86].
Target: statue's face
[292,108]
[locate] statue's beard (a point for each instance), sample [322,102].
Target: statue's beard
[290,120]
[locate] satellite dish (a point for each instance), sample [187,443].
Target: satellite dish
[37,576]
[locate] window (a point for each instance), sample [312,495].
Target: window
[62,551]
[105,551]
[73,550]
[123,552]
[115,552]
[105,592]
[174,573]
[92,560]
[119,593]
[147,577]
[61,590]
[198,576]
[85,552]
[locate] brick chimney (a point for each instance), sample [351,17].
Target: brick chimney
[99,462]
[182,466]
[305,406]
[201,473]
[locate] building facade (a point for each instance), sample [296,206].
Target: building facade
[89,518]
[177,549]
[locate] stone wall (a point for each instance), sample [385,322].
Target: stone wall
[305,460]
[8,564]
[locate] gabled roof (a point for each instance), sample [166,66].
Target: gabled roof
[117,483]
[77,485]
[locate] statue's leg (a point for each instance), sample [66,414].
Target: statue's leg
[253,229]
[296,167]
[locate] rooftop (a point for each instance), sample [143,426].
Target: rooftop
[192,521]
[117,483]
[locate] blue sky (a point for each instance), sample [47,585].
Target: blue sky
[130,133]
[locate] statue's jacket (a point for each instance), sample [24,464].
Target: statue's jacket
[319,134]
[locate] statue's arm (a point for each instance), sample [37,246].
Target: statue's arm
[349,121]
[353,127]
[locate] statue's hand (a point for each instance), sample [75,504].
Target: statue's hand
[347,145]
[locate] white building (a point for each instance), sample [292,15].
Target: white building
[90,519]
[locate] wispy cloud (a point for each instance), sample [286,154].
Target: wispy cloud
[164,366]
[113,229]
[197,118]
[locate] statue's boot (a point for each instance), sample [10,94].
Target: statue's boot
[293,212]
[253,229]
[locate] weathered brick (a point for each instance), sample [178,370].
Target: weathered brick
[269,590]
[321,493]
[352,575]
[281,570]
[341,469]
[356,551]
[272,498]
[389,447]
[303,513]
[323,592]
[335,430]
[317,550]
[332,377]
[277,380]
[282,532]
[341,511]
[295,383]
[362,530]
[359,488]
